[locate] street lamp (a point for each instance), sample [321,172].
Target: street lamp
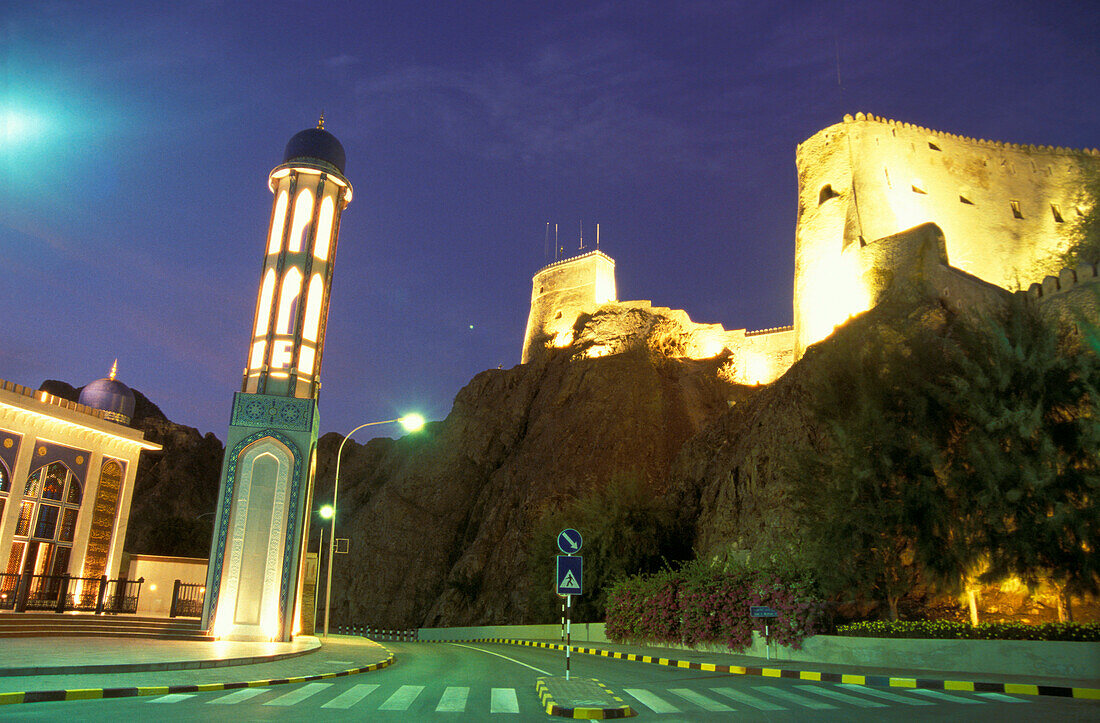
[411,423]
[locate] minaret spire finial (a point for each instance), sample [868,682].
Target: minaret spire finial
[321,121]
[114,369]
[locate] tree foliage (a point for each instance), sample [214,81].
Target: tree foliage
[955,447]
[1085,247]
[627,529]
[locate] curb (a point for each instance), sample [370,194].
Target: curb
[552,708]
[47,696]
[149,667]
[880,681]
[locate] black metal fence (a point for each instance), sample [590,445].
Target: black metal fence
[62,593]
[187,600]
[403,636]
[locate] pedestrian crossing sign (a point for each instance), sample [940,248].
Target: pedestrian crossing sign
[569,574]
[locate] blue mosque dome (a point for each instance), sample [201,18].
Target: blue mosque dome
[316,144]
[111,396]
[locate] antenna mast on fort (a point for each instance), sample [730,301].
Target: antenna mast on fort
[582,236]
[546,244]
[597,236]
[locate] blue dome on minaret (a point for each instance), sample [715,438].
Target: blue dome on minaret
[316,144]
[110,396]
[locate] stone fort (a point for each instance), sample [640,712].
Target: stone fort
[878,201]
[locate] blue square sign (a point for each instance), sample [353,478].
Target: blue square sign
[569,574]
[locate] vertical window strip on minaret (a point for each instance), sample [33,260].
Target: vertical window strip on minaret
[303,214]
[324,228]
[278,221]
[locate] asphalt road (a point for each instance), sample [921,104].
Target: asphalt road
[479,682]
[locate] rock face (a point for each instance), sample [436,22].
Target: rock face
[439,521]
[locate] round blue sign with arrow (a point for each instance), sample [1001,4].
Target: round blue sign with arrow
[569,541]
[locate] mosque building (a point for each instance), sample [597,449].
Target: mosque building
[67,475]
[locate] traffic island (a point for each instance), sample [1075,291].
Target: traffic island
[580,698]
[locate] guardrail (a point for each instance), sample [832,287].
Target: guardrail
[408,635]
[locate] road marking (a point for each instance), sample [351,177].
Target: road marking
[297,696]
[402,698]
[177,697]
[751,700]
[947,697]
[699,699]
[351,696]
[453,700]
[885,695]
[490,652]
[793,697]
[1001,698]
[340,662]
[504,701]
[651,701]
[237,696]
[842,697]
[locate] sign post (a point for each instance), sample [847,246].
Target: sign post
[766,613]
[568,580]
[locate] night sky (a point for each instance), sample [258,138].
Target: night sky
[136,139]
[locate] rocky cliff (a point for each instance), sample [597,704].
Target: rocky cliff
[440,521]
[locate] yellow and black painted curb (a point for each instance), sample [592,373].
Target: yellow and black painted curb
[47,696]
[588,713]
[881,681]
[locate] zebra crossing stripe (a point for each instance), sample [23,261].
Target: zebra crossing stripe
[236,696]
[173,698]
[351,696]
[829,692]
[503,700]
[940,695]
[651,701]
[885,695]
[700,700]
[453,700]
[402,698]
[794,698]
[1000,698]
[297,696]
[747,699]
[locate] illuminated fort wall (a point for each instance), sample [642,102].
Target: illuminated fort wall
[1005,209]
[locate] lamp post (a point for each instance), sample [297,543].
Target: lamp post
[411,423]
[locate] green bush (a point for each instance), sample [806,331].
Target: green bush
[708,602]
[947,630]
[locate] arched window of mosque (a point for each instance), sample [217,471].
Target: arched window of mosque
[826,193]
[303,212]
[5,480]
[51,507]
[288,301]
[76,494]
[31,490]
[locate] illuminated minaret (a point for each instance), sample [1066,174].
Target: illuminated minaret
[256,560]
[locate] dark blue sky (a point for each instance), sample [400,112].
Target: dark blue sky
[136,138]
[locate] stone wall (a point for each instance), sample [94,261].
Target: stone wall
[562,291]
[1005,209]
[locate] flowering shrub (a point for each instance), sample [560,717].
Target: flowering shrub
[947,630]
[709,603]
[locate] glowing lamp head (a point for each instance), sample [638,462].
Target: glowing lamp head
[327,512]
[412,422]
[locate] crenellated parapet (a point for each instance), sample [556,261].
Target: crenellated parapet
[1030,147]
[1066,280]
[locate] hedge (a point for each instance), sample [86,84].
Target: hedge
[948,630]
[709,604]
